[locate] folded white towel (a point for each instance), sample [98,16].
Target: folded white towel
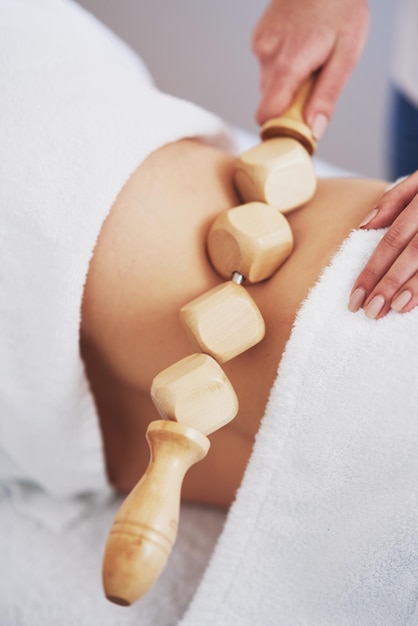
[79,113]
[324,530]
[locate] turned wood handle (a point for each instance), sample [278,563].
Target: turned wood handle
[292,123]
[145,526]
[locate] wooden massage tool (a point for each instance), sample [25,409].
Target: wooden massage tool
[193,396]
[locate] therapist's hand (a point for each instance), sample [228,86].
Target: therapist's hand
[390,278]
[295,38]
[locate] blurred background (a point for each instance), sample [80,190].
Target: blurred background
[200,50]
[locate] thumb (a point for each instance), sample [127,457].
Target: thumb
[329,83]
[277,92]
[335,73]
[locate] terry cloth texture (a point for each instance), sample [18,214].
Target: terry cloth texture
[79,113]
[324,529]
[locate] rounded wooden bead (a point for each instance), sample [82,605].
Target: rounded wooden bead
[279,172]
[145,526]
[223,322]
[252,239]
[196,392]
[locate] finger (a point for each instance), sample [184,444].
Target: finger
[392,203]
[394,283]
[407,297]
[331,80]
[341,61]
[285,69]
[281,77]
[278,88]
[265,40]
[395,241]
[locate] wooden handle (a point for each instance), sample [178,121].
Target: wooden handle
[292,123]
[145,526]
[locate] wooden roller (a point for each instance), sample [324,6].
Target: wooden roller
[194,394]
[145,526]
[279,171]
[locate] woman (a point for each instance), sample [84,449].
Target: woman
[111,188]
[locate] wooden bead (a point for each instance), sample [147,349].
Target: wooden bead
[253,239]
[278,171]
[145,526]
[292,123]
[223,322]
[196,392]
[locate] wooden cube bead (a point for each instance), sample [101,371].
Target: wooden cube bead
[253,239]
[196,392]
[278,171]
[223,322]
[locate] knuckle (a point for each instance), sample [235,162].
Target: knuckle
[394,237]
[327,97]
[369,276]
[390,283]
[264,45]
[413,245]
[283,68]
[323,99]
[286,66]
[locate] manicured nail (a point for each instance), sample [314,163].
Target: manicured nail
[374,307]
[319,125]
[400,301]
[368,218]
[356,299]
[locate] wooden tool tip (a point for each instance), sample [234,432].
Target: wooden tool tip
[119,601]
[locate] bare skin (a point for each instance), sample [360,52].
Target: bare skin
[150,259]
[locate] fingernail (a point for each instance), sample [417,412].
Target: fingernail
[400,301]
[368,218]
[319,125]
[356,299]
[374,307]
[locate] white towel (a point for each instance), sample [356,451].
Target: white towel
[54,579]
[79,113]
[324,530]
